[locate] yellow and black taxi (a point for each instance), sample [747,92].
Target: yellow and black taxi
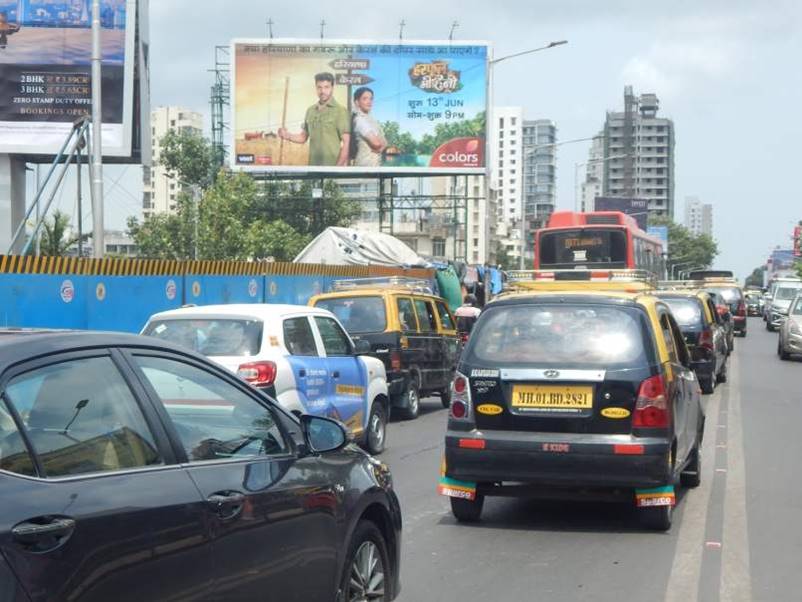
[408,327]
[704,332]
[575,393]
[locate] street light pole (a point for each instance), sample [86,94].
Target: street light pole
[97,135]
[490,64]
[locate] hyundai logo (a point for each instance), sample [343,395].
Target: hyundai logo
[551,373]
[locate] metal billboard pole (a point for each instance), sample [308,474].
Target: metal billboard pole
[97,142]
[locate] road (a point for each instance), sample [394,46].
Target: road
[737,537]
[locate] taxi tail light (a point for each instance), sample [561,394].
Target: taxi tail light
[651,409]
[706,340]
[259,374]
[395,361]
[741,313]
[460,408]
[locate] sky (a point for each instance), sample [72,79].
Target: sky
[727,72]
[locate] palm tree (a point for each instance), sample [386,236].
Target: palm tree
[55,242]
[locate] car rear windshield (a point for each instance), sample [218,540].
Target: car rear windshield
[687,312]
[787,293]
[731,294]
[586,247]
[357,314]
[573,336]
[211,337]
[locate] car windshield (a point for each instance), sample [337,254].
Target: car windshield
[211,337]
[786,293]
[731,294]
[357,314]
[581,336]
[687,312]
[797,310]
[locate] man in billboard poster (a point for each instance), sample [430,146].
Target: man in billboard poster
[367,132]
[6,29]
[326,126]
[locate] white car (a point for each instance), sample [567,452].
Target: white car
[300,356]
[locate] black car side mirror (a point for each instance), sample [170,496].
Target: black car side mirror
[362,347]
[323,434]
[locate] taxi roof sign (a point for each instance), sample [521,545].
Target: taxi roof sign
[554,280]
[392,282]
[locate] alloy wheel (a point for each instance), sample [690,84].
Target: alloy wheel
[366,582]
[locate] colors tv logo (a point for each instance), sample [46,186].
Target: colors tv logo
[460,152]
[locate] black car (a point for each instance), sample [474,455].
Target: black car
[132,469]
[733,297]
[562,395]
[704,334]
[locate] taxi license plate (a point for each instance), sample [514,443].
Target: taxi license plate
[554,398]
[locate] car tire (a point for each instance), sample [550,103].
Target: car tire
[362,579]
[376,435]
[708,384]
[692,475]
[722,375]
[445,397]
[467,511]
[411,407]
[657,518]
[769,327]
[784,355]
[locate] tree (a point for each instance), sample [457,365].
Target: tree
[55,241]
[275,239]
[684,247]
[756,277]
[187,157]
[503,259]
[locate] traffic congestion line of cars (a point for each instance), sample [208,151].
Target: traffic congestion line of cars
[584,384]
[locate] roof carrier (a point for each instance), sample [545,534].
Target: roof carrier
[392,282]
[612,279]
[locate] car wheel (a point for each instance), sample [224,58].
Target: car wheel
[708,384]
[692,475]
[769,326]
[412,395]
[784,355]
[722,375]
[377,429]
[467,511]
[657,518]
[445,397]
[366,572]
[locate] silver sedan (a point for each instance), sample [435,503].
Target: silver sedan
[791,331]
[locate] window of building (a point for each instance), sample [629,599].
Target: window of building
[513,120]
[501,122]
[438,247]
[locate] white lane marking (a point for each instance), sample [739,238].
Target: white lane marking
[736,579]
[683,583]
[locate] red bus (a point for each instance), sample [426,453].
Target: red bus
[597,239]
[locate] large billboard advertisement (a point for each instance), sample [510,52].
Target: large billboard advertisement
[45,73]
[637,208]
[357,107]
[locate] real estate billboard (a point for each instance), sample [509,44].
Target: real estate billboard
[636,207]
[45,73]
[359,107]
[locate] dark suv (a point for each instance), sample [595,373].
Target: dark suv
[586,395]
[132,469]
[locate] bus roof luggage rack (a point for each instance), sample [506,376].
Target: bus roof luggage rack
[611,279]
[394,282]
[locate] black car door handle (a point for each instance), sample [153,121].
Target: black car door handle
[29,533]
[228,498]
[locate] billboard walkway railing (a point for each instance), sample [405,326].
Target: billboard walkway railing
[121,294]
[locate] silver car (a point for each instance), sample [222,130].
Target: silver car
[791,331]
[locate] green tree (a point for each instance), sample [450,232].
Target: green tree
[403,141]
[503,259]
[188,157]
[756,277]
[55,240]
[684,247]
[443,132]
[275,239]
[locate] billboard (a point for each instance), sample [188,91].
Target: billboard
[359,107]
[637,208]
[45,73]
[781,260]
[660,232]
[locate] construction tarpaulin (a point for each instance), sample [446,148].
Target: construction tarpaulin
[346,246]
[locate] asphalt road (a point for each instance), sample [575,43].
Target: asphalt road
[737,537]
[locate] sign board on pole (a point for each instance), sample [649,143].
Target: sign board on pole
[45,73]
[660,232]
[637,208]
[343,106]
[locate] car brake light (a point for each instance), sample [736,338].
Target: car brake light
[259,374]
[741,310]
[706,340]
[460,408]
[395,360]
[651,409]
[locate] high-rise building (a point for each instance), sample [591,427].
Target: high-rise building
[593,185]
[506,162]
[159,191]
[639,153]
[698,216]
[539,178]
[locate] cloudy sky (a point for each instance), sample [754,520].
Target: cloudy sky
[727,72]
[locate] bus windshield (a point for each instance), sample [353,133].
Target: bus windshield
[586,247]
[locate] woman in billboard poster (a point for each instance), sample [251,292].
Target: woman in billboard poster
[368,141]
